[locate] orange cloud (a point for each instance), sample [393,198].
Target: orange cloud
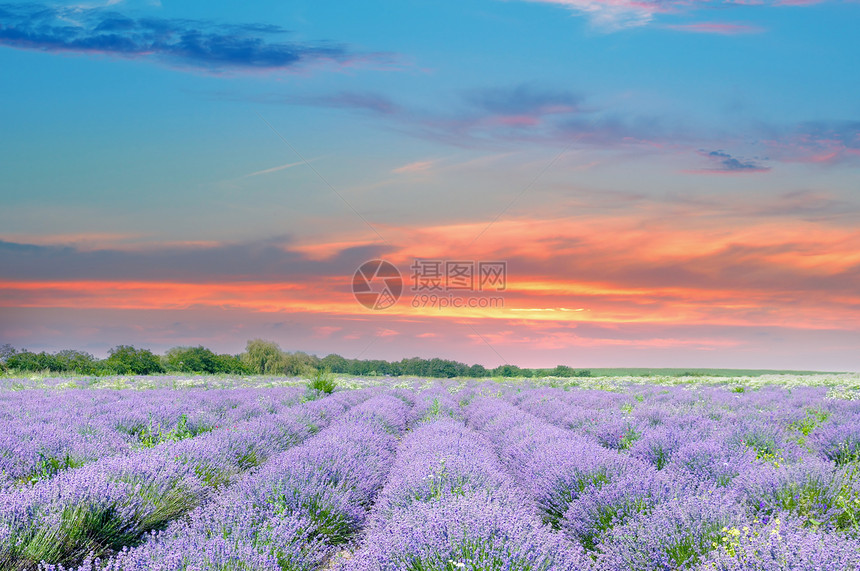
[683,265]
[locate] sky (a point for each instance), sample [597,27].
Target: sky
[664,183]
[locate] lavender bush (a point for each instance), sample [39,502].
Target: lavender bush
[449,504]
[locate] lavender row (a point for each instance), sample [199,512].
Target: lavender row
[44,433]
[448,504]
[554,466]
[113,502]
[773,423]
[290,514]
[628,513]
[438,402]
[779,451]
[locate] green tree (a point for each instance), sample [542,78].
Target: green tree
[232,364]
[264,357]
[378,367]
[35,362]
[335,364]
[507,371]
[299,363]
[413,367]
[72,361]
[192,360]
[443,368]
[126,360]
[360,368]
[478,371]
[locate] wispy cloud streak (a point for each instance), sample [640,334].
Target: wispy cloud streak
[718,28]
[276,169]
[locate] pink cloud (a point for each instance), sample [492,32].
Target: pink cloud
[820,143]
[325,331]
[614,14]
[621,14]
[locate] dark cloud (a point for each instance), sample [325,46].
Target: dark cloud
[524,100]
[723,162]
[178,42]
[264,260]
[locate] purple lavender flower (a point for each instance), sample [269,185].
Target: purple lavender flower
[470,532]
[676,534]
[780,545]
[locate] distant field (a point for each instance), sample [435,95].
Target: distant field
[679,372]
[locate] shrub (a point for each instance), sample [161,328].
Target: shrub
[322,382]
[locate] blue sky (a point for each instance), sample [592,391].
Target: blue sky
[665,165]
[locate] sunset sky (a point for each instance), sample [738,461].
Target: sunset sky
[670,183]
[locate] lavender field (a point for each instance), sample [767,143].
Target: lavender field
[200,473]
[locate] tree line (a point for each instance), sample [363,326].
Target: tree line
[260,357]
